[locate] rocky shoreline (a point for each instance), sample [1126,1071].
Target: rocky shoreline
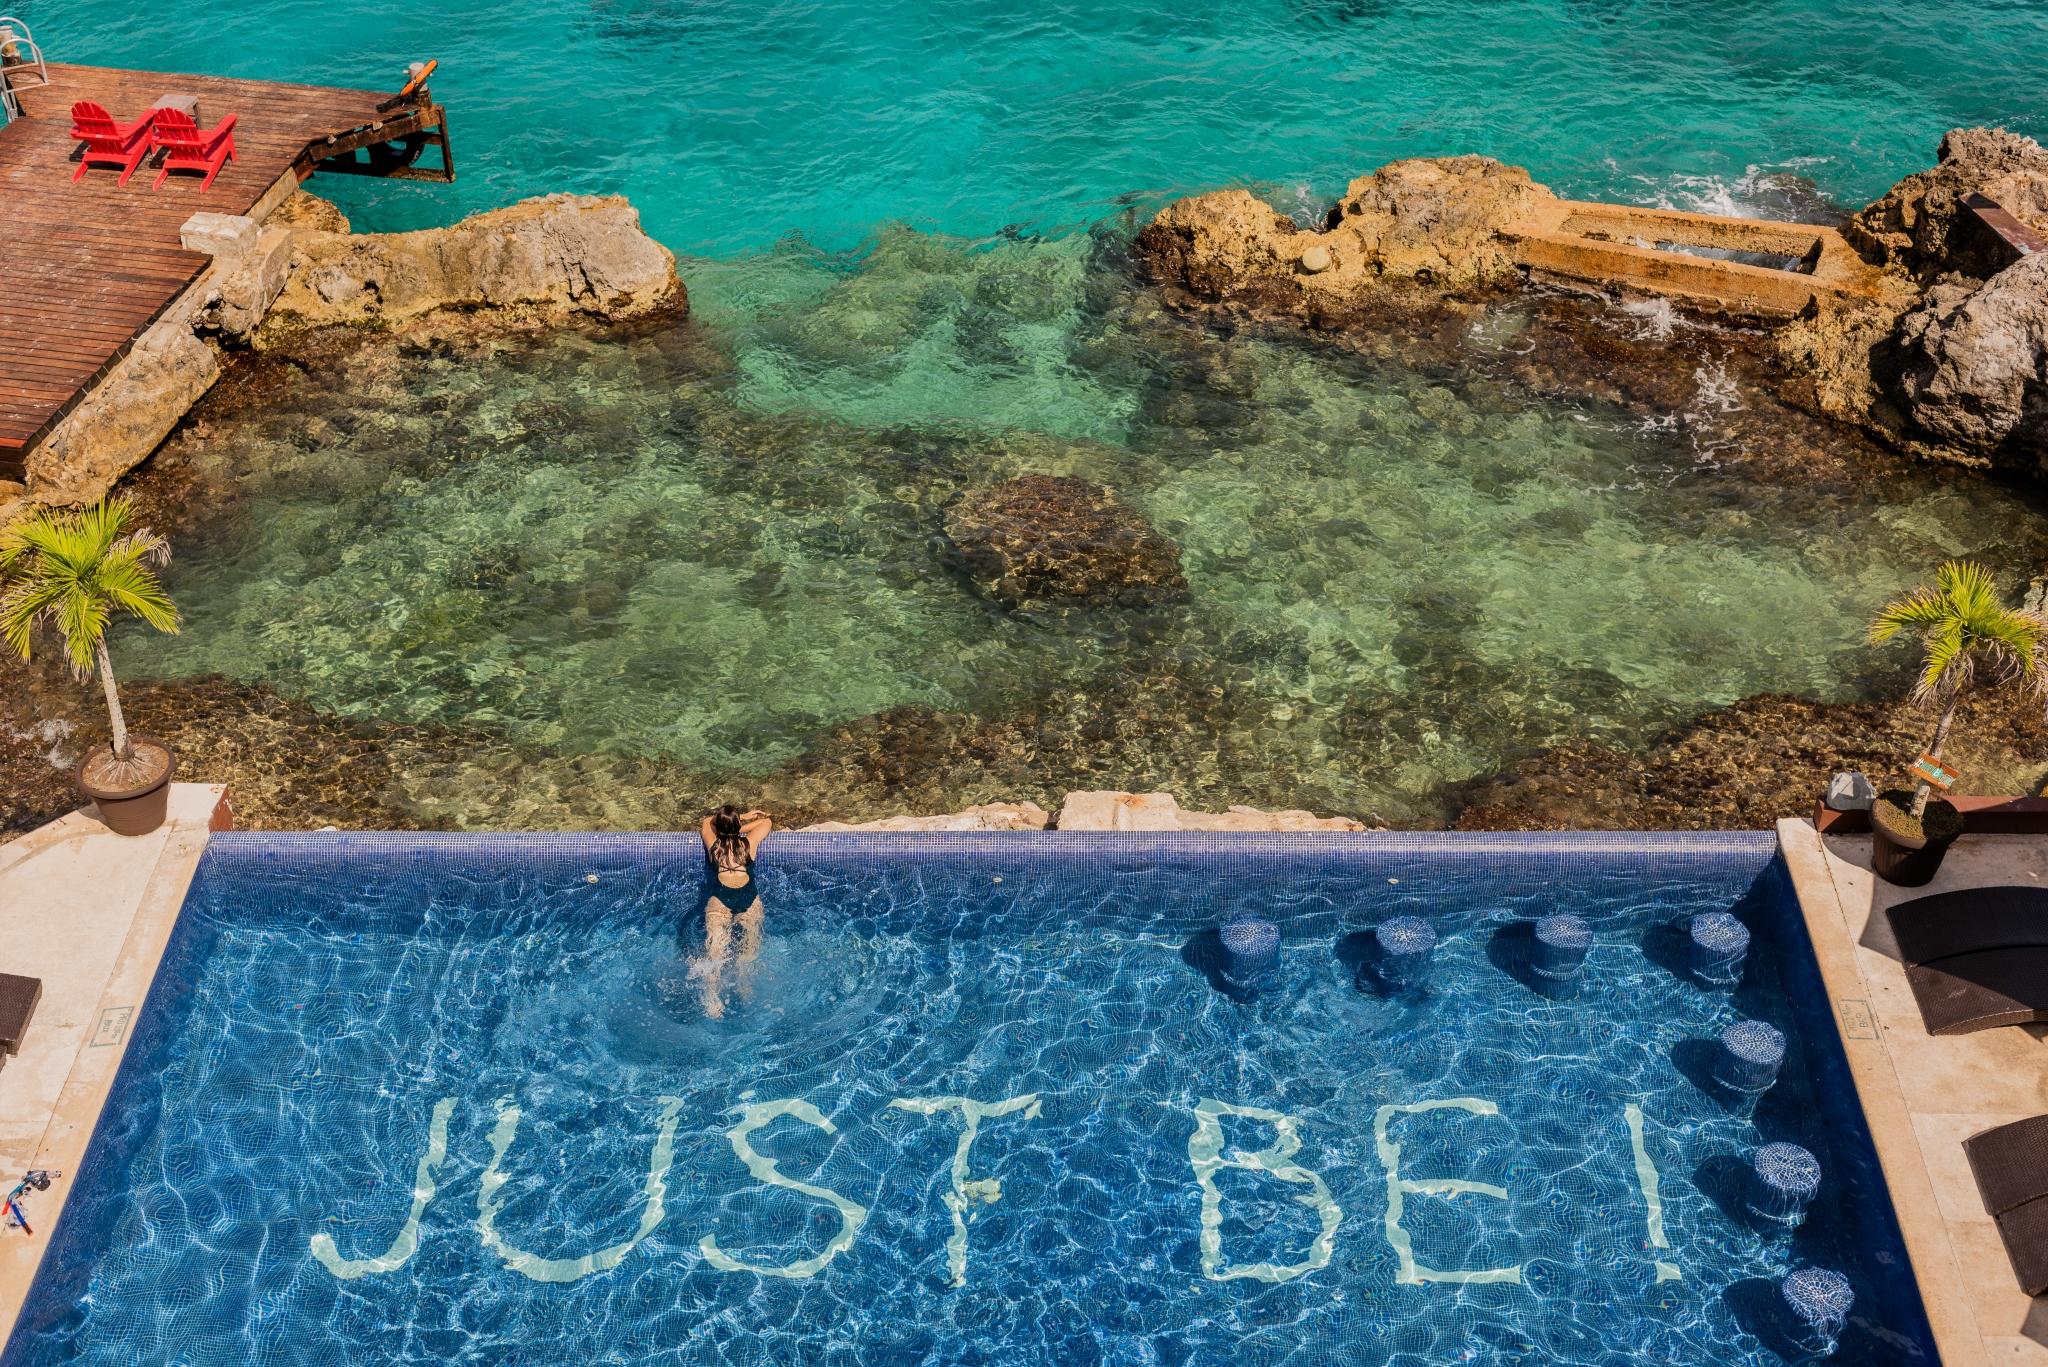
[291,768]
[1941,352]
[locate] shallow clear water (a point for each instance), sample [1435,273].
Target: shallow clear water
[323,997]
[649,553]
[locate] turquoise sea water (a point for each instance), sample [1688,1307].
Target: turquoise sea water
[903,225]
[734,125]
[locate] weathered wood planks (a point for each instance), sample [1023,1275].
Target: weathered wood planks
[86,267]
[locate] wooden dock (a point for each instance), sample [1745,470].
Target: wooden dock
[86,267]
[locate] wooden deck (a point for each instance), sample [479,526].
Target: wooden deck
[85,268]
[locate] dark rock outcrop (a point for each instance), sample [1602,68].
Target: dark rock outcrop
[1949,363]
[1973,366]
[1053,539]
[1746,765]
[1920,227]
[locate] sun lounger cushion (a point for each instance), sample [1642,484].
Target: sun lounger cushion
[2011,1167]
[1930,928]
[1976,958]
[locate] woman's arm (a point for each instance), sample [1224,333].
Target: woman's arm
[704,830]
[758,824]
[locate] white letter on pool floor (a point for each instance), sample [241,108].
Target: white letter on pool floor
[967,1191]
[1413,1273]
[1646,1178]
[1205,1149]
[401,1249]
[851,1214]
[488,1202]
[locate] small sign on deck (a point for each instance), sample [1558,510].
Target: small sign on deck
[112,1027]
[1934,773]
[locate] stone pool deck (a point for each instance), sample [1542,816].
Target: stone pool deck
[1923,1096]
[88,912]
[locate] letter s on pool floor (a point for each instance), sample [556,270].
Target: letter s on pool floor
[852,1215]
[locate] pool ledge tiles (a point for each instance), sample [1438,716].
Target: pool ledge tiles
[89,913]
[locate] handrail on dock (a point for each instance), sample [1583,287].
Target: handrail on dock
[15,39]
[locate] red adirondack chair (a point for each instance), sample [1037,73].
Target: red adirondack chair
[188,149]
[108,143]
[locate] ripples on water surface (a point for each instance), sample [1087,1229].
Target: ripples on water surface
[320,998]
[733,124]
[707,553]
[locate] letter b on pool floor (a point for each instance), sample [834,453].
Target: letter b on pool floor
[1205,1153]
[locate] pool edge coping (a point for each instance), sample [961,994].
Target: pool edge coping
[1960,1336]
[72,1118]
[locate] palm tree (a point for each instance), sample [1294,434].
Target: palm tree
[74,571]
[1964,629]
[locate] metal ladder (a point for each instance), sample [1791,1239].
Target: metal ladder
[21,65]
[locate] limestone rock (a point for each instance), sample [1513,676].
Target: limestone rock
[554,256]
[308,211]
[121,421]
[1438,219]
[992,816]
[1913,227]
[1829,356]
[1973,365]
[1042,539]
[1106,810]
[1425,222]
[238,295]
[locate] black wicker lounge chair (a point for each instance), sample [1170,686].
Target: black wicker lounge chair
[1976,958]
[2011,1166]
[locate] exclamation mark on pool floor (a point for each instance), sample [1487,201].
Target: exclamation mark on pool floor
[1646,1178]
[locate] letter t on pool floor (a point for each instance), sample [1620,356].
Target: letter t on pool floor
[967,1191]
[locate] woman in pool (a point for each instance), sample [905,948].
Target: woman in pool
[731,840]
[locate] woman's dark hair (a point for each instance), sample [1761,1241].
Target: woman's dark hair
[728,838]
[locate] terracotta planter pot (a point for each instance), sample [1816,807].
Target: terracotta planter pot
[1905,861]
[137,810]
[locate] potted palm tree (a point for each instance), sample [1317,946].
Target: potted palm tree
[1968,638]
[75,571]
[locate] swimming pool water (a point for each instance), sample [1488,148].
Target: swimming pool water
[521,1013]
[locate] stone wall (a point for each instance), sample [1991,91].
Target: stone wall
[1103,811]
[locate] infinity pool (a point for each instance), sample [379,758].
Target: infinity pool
[457,1099]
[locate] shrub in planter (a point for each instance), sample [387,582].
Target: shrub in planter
[74,572]
[1908,849]
[1969,638]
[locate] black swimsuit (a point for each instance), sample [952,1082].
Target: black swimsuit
[735,899]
